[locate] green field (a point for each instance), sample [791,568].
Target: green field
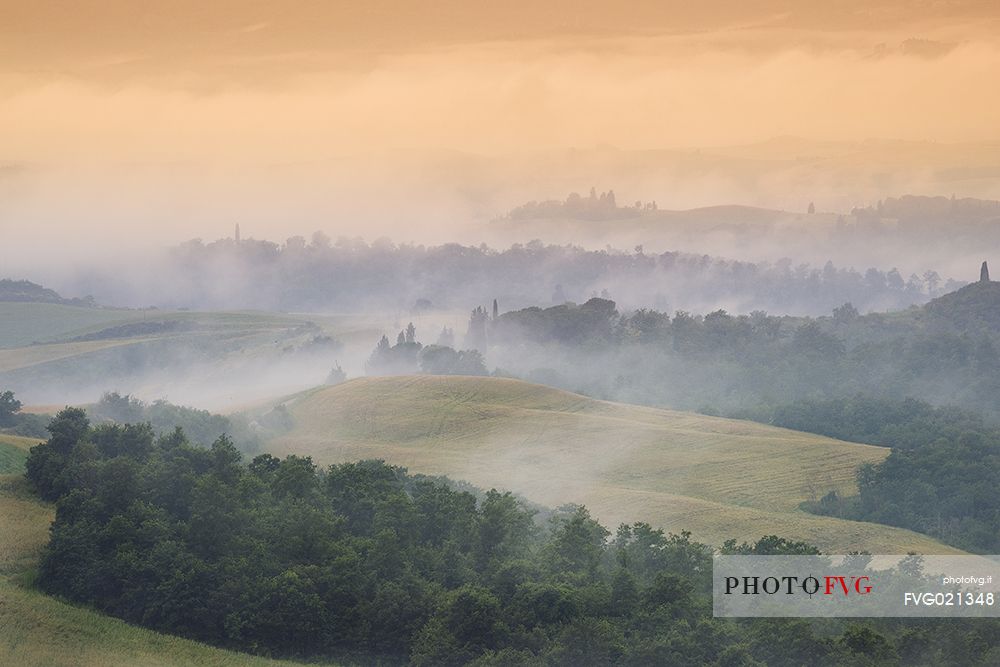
[13,453]
[26,323]
[34,334]
[219,358]
[30,324]
[718,478]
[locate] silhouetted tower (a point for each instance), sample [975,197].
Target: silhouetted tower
[237,237]
[496,309]
[984,274]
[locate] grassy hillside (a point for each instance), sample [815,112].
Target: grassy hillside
[52,353]
[34,324]
[27,323]
[13,453]
[718,478]
[22,357]
[37,630]
[23,324]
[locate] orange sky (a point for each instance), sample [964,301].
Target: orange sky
[306,79]
[108,107]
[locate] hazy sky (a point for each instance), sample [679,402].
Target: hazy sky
[172,117]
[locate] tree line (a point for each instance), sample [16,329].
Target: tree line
[410,356]
[732,364]
[351,275]
[942,477]
[363,562]
[862,378]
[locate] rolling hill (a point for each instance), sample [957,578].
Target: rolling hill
[33,324]
[26,291]
[53,353]
[718,478]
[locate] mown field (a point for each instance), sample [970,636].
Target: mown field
[718,478]
[40,631]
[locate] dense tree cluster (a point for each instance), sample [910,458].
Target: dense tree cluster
[949,489]
[916,211]
[746,364]
[9,407]
[200,425]
[13,421]
[603,206]
[902,423]
[362,561]
[409,355]
[399,359]
[29,292]
[594,321]
[441,360]
[942,477]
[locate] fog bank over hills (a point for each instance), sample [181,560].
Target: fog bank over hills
[894,253]
[140,127]
[298,298]
[110,212]
[322,275]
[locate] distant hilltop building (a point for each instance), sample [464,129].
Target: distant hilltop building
[984,274]
[237,236]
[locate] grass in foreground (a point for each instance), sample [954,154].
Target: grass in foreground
[718,478]
[13,453]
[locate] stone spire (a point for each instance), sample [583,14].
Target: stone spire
[984,274]
[237,236]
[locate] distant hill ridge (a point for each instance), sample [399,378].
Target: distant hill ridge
[604,207]
[918,208]
[29,292]
[908,209]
